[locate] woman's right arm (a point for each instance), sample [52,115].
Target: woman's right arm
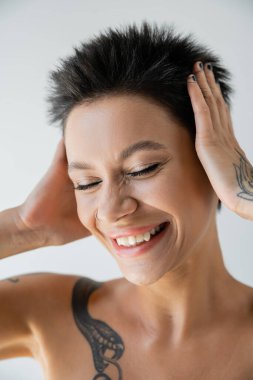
[30,305]
[47,217]
[14,236]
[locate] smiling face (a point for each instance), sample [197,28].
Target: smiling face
[175,190]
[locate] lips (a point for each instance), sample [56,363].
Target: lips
[157,230]
[141,248]
[133,231]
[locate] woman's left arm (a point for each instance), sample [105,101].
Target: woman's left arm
[225,163]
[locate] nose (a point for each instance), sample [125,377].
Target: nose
[115,204]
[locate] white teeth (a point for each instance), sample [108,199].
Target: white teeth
[123,241]
[139,238]
[133,240]
[146,236]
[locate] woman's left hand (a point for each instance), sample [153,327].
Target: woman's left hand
[226,165]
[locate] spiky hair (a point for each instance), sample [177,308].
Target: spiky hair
[150,61]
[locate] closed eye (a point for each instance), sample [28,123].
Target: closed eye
[144,171]
[147,170]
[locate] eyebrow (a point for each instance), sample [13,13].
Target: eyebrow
[127,152]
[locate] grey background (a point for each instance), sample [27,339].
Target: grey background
[33,36]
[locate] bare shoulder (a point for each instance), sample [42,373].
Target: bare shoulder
[40,288]
[29,294]
[28,303]
[39,296]
[47,292]
[32,284]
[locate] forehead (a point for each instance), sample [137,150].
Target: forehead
[108,125]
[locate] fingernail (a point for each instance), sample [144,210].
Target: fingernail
[192,77]
[201,65]
[209,66]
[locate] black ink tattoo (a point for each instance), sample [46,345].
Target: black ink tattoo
[17,279]
[12,279]
[100,336]
[244,175]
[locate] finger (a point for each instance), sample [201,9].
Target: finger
[224,111]
[229,125]
[204,126]
[198,70]
[218,96]
[230,122]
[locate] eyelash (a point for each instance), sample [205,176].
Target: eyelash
[147,170]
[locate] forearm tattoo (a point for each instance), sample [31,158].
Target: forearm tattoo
[244,175]
[100,336]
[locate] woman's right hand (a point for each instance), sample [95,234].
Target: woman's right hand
[50,209]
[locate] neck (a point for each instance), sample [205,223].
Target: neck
[188,297]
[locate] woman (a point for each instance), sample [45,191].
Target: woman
[149,148]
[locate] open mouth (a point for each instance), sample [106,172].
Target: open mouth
[140,247]
[158,229]
[162,227]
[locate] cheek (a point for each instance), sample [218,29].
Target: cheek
[183,194]
[165,192]
[84,210]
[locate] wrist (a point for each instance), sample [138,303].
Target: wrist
[34,235]
[244,208]
[15,237]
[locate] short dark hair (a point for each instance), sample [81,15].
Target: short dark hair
[151,61]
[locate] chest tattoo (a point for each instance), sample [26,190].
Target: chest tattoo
[106,345]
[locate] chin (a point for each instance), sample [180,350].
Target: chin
[142,278]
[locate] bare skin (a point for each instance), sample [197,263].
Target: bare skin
[176,313]
[221,349]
